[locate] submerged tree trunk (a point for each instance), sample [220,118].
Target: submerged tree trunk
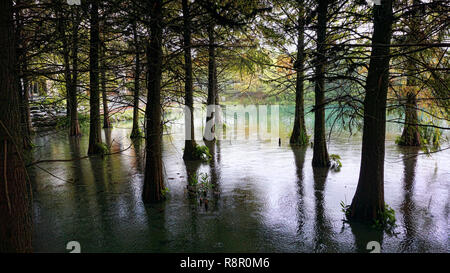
[135,132]
[299,135]
[212,86]
[153,177]
[411,133]
[95,137]
[74,127]
[15,199]
[320,155]
[189,145]
[368,201]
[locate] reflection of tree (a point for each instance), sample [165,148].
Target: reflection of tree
[102,202]
[218,151]
[191,171]
[214,172]
[137,157]
[79,190]
[299,156]
[364,234]
[114,145]
[323,229]
[109,161]
[408,206]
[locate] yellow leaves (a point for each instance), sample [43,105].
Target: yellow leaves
[284,64]
[405,89]
[362,70]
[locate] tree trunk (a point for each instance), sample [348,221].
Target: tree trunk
[368,201]
[189,145]
[21,63]
[15,199]
[320,155]
[74,129]
[299,135]
[61,25]
[153,177]
[95,137]
[411,134]
[135,132]
[26,101]
[212,84]
[106,121]
[24,112]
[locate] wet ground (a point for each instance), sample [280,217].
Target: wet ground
[266,198]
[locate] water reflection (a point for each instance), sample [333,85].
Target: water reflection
[408,205]
[363,234]
[268,199]
[214,172]
[323,227]
[78,194]
[299,157]
[100,209]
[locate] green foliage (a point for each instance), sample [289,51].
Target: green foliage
[431,136]
[193,180]
[138,133]
[399,140]
[303,138]
[64,122]
[205,184]
[165,192]
[199,184]
[102,147]
[386,219]
[202,153]
[126,115]
[345,209]
[46,102]
[336,164]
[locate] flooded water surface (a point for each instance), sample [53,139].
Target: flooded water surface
[265,198]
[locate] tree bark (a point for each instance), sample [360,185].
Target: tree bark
[70,75]
[212,81]
[74,129]
[189,145]
[368,201]
[135,132]
[25,121]
[26,101]
[15,197]
[411,133]
[95,137]
[61,25]
[153,177]
[299,135]
[106,121]
[320,154]
[21,79]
